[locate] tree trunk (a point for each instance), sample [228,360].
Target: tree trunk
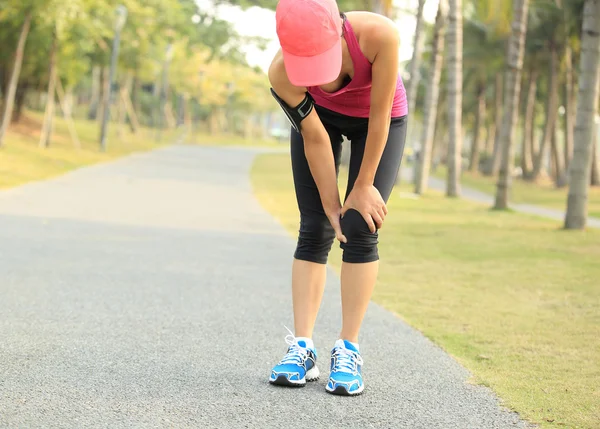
[595,179]
[489,143]
[568,106]
[415,63]
[69,101]
[455,51]
[587,108]
[126,99]
[105,98]
[136,95]
[9,98]
[431,101]
[19,102]
[512,95]
[121,115]
[493,164]
[63,101]
[558,163]
[527,147]
[50,99]
[479,118]
[551,113]
[95,97]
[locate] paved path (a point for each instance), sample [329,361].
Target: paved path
[152,292]
[482,197]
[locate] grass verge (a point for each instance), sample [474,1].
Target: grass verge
[510,296]
[22,160]
[541,194]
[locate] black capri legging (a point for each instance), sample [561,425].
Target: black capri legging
[316,234]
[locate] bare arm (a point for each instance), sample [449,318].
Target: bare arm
[385,75]
[317,145]
[364,197]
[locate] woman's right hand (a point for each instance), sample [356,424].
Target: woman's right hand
[334,215]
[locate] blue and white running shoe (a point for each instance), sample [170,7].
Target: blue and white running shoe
[298,366]
[346,370]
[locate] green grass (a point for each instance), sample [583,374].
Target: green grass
[542,194]
[512,297]
[22,160]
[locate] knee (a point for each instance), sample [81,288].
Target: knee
[361,246]
[314,239]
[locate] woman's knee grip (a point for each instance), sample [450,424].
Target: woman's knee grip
[315,238]
[361,246]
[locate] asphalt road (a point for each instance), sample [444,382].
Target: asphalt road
[152,292]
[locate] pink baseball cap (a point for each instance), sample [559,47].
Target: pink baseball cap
[310,35]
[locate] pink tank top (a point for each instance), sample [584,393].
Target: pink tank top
[354,99]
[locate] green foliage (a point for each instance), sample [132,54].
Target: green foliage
[155,30]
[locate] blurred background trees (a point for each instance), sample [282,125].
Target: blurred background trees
[177,64]
[180,66]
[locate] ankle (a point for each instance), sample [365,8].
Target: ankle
[306,342]
[351,338]
[352,341]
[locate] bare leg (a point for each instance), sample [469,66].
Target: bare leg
[359,277]
[308,284]
[358,282]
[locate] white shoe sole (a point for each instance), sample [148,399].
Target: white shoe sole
[342,391]
[311,375]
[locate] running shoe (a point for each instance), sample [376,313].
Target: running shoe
[345,377]
[298,366]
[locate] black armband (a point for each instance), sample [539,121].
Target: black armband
[296,114]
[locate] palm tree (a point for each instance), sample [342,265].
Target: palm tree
[547,20]
[511,99]
[527,149]
[431,100]
[587,107]
[595,179]
[455,48]
[416,59]
[483,58]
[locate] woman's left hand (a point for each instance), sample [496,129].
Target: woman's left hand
[367,200]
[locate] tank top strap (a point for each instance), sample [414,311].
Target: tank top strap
[361,63]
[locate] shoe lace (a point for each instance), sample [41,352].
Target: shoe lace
[346,360]
[296,355]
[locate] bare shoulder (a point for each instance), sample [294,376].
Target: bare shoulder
[374,32]
[281,84]
[279,79]
[276,71]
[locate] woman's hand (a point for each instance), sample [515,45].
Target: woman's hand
[367,200]
[334,214]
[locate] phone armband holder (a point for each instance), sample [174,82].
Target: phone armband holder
[296,114]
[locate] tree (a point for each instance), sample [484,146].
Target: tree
[455,50]
[431,100]
[587,107]
[512,95]
[14,80]
[527,141]
[413,84]
[547,22]
[486,28]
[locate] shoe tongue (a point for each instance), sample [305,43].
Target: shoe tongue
[345,344]
[349,346]
[302,343]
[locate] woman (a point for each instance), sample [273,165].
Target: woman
[337,74]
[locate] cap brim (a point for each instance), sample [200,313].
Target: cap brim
[314,71]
